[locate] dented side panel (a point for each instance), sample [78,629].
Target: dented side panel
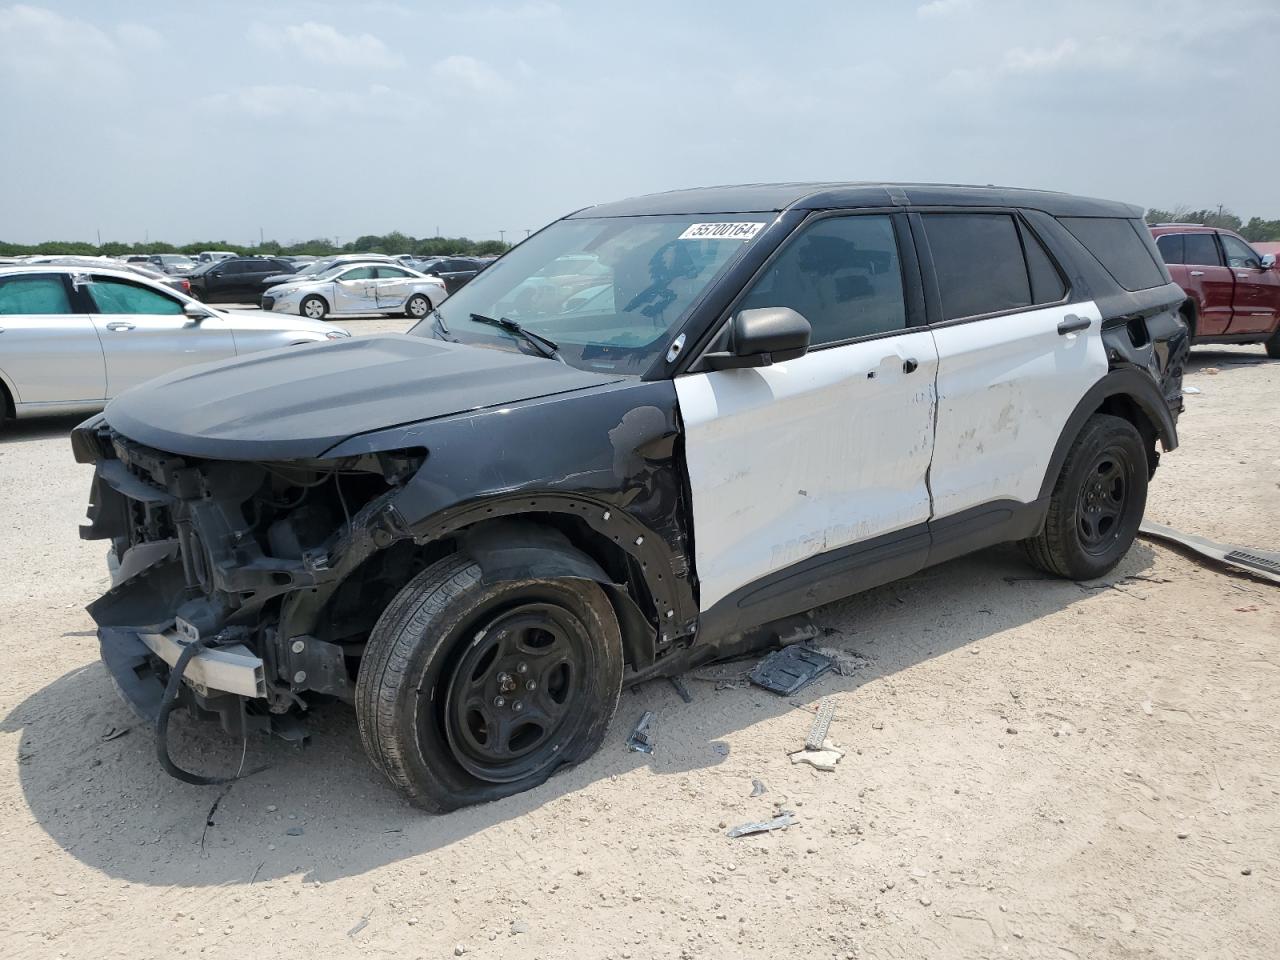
[1006,387]
[805,457]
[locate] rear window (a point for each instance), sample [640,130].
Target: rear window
[44,294]
[1118,245]
[1201,249]
[1170,247]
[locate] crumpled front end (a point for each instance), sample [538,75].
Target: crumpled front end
[232,557]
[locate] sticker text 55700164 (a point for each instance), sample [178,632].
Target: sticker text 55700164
[721,231]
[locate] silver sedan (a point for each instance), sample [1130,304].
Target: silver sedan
[71,338]
[355,289]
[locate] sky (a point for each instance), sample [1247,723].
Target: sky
[187,121]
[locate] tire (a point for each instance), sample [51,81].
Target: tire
[443,697]
[1273,346]
[313,308]
[417,307]
[1097,502]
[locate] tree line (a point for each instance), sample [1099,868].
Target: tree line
[1255,229]
[391,243]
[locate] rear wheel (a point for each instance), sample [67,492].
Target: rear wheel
[1097,502]
[417,307]
[1273,346]
[313,307]
[470,692]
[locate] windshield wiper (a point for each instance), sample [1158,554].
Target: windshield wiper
[545,346]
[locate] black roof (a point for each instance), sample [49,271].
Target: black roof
[767,197]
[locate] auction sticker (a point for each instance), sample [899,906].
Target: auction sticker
[721,231]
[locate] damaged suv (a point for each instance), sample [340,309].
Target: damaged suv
[653,434]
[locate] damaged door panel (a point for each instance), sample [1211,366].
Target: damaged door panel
[734,404]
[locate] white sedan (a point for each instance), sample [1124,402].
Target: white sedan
[73,337]
[356,289]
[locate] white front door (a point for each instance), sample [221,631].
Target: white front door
[145,333]
[812,455]
[354,291]
[1011,364]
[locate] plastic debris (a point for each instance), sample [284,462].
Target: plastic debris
[641,739]
[787,670]
[681,690]
[784,819]
[824,759]
[758,789]
[821,724]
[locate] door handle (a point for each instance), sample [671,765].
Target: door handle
[1073,324]
[118,325]
[1197,273]
[1242,276]
[909,365]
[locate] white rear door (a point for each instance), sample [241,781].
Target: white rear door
[815,454]
[1015,357]
[48,353]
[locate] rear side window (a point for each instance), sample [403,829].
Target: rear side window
[1119,247]
[978,261]
[1200,249]
[33,295]
[1171,247]
[1047,285]
[842,275]
[117,296]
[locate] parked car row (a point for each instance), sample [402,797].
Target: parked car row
[72,336]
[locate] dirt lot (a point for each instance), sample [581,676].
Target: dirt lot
[1035,769]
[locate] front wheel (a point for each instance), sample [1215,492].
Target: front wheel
[1273,346]
[417,307]
[1097,502]
[470,692]
[313,308]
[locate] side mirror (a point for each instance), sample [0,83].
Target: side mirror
[1268,261]
[194,313]
[763,336]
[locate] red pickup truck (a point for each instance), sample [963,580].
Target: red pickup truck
[1233,292]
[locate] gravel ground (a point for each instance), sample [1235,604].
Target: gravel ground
[1034,768]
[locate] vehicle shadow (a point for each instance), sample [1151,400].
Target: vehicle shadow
[40,428]
[104,799]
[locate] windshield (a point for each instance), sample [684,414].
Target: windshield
[609,291]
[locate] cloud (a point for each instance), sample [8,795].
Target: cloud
[1019,60]
[470,74]
[324,44]
[299,104]
[43,48]
[943,8]
[139,36]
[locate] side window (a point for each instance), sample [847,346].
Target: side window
[118,296]
[1047,285]
[34,295]
[359,273]
[1239,254]
[1200,249]
[232,268]
[391,273]
[978,261]
[1172,247]
[842,275]
[1117,245]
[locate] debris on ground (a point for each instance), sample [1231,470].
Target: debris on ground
[824,759]
[115,733]
[681,690]
[364,922]
[1255,563]
[758,789]
[641,739]
[1191,390]
[821,724]
[784,819]
[787,670]
[844,663]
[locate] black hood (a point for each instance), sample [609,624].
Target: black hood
[297,402]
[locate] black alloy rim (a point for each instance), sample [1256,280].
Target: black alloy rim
[514,696]
[1103,498]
